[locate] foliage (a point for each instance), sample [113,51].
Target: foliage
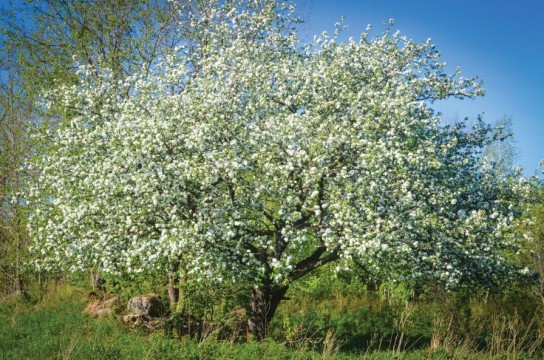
[532,226]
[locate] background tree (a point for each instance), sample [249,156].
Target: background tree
[15,109]
[46,36]
[501,153]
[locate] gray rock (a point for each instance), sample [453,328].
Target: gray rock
[146,306]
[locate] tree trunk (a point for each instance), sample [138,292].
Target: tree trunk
[97,281]
[263,305]
[173,290]
[182,281]
[18,285]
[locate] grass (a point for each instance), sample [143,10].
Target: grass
[56,328]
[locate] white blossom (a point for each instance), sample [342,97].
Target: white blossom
[266,152]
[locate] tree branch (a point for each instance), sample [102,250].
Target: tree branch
[314,261]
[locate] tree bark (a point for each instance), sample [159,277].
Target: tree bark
[97,281]
[173,290]
[263,305]
[18,284]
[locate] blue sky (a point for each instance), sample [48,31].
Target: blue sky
[500,41]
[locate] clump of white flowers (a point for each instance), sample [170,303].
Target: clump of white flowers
[260,156]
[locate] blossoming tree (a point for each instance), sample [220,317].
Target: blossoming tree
[266,159]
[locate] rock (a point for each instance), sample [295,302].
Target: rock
[135,320]
[146,306]
[111,303]
[152,324]
[145,310]
[129,318]
[102,308]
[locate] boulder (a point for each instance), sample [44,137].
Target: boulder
[102,308]
[132,319]
[145,306]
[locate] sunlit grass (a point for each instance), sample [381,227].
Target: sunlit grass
[56,328]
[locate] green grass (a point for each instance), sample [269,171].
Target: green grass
[57,328]
[63,331]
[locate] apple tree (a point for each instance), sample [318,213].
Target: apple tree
[263,159]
